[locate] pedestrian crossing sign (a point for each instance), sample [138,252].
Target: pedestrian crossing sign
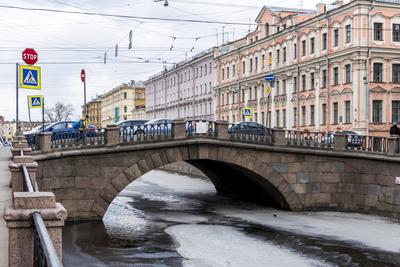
[268,89]
[29,77]
[247,112]
[35,101]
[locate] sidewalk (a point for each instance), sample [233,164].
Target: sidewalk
[5,200]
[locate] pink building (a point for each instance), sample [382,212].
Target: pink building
[334,69]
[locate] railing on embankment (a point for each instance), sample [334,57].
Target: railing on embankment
[179,129]
[34,220]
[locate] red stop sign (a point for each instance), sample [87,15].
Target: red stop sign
[83,75]
[30,56]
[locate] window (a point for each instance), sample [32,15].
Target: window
[347,69]
[303,116]
[222,100]
[396,111]
[312,81]
[233,70]
[294,117]
[396,73]
[210,68]
[125,95]
[277,118]
[324,40]
[294,84]
[347,111]
[348,34]
[335,76]
[284,86]
[263,118]
[312,45]
[269,119]
[256,63]
[278,51]
[209,87]
[266,29]
[251,65]
[335,113]
[263,61]
[312,115]
[294,51]
[377,111]
[270,59]
[378,31]
[335,37]
[396,32]
[303,48]
[284,54]
[277,87]
[227,72]
[324,79]
[223,74]
[378,73]
[303,82]
[284,118]
[323,114]
[244,67]
[125,109]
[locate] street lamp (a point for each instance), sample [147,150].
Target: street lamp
[165,2]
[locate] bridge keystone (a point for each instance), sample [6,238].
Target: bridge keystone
[221,128]
[112,137]
[179,129]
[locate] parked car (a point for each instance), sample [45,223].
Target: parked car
[354,140]
[247,127]
[31,134]
[130,127]
[156,126]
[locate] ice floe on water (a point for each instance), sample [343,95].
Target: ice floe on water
[212,245]
[372,231]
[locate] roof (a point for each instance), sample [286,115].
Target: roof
[276,9]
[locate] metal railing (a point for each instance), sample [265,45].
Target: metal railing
[310,139]
[78,139]
[375,144]
[146,132]
[44,253]
[200,127]
[248,134]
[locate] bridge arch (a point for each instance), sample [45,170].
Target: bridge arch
[232,172]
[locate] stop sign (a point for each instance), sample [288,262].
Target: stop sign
[30,56]
[83,75]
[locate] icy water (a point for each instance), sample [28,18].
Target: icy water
[167,219]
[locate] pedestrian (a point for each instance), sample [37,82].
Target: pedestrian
[394,130]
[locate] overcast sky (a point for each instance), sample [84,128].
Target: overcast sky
[75,41]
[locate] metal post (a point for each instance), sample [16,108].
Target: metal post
[84,97]
[16,96]
[29,112]
[43,114]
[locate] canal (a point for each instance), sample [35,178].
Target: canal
[168,219]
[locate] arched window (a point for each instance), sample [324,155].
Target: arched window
[266,29]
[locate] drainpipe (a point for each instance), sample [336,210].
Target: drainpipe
[193,91]
[368,61]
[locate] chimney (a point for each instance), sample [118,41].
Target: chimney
[321,8]
[338,3]
[132,82]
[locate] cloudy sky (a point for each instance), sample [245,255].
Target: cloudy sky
[66,43]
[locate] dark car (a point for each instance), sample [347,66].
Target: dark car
[130,127]
[247,127]
[156,127]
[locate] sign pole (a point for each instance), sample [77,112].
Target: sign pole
[29,112]
[43,114]
[16,97]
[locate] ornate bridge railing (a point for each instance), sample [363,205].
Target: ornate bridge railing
[249,134]
[316,140]
[178,130]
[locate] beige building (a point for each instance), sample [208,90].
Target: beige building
[117,104]
[8,129]
[139,113]
[93,109]
[335,68]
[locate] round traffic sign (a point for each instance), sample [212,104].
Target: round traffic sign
[30,56]
[83,75]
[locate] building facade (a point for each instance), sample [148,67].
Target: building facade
[93,110]
[336,69]
[138,113]
[116,105]
[184,91]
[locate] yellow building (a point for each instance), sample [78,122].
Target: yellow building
[117,104]
[93,109]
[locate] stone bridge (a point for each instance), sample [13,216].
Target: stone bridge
[287,170]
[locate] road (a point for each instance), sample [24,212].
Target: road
[5,200]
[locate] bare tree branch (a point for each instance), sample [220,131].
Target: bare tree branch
[60,112]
